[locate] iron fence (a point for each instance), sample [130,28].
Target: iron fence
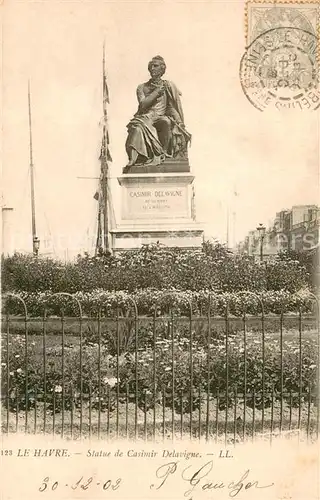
[167,376]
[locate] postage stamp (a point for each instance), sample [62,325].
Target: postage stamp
[280,70]
[262,16]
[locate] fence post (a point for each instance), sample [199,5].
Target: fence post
[208,368]
[227,371]
[26,369]
[62,308]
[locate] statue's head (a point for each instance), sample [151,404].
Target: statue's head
[157,66]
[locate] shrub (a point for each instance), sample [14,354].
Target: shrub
[211,267]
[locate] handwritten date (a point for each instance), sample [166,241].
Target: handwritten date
[81,484]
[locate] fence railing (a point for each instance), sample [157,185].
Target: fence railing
[167,376]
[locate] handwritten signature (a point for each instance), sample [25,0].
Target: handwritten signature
[199,479]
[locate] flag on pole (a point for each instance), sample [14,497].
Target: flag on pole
[103,196]
[105,84]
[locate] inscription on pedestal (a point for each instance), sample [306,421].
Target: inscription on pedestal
[156,202]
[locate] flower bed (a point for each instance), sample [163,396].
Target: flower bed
[150,301]
[286,373]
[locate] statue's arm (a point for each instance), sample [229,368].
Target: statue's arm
[145,102]
[174,113]
[174,108]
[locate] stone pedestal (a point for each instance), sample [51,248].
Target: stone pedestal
[157,206]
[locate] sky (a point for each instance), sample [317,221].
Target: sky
[271,159]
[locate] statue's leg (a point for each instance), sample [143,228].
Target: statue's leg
[131,145]
[133,156]
[163,126]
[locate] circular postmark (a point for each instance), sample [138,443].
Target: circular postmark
[280,70]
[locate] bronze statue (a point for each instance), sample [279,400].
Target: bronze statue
[157,130]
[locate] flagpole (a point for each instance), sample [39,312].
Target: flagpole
[104,164]
[228,226]
[98,238]
[235,196]
[234,229]
[35,239]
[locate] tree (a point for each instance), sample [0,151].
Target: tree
[308,259]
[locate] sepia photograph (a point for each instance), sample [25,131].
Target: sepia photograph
[160,249]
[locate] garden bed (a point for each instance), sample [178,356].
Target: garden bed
[218,324]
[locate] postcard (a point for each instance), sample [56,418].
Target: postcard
[160,249]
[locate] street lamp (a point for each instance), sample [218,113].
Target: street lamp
[262,231]
[36,245]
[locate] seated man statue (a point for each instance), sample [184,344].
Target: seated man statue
[157,130]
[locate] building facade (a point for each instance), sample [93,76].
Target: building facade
[295,229]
